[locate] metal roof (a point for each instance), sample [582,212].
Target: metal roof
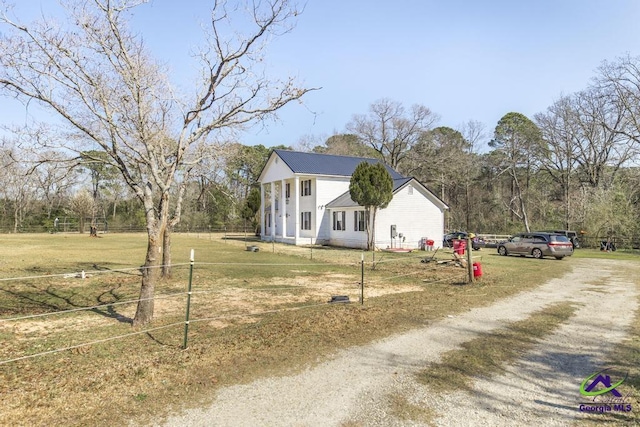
[326,164]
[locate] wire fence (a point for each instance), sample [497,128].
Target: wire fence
[241,231]
[363,271]
[102,228]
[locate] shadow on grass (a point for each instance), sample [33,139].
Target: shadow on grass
[461,283]
[52,300]
[162,343]
[130,273]
[236,238]
[106,310]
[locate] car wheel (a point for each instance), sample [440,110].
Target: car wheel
[559,257]
[537,253]
[502,251]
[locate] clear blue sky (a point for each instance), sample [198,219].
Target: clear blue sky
[465,60]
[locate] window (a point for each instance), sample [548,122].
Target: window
[359,221]
[305,220]
[287,190]
[410,190]
[305,190]
[339,219]
[269,220]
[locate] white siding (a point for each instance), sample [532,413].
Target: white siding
[349,238]
[414,215]
[326,190]
[308,204]
[290,209]
[275,170]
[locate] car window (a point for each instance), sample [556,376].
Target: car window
[539,239]
[569,234]
[516,239]
[562,239]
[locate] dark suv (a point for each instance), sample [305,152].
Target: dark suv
[537,245]
[447,242]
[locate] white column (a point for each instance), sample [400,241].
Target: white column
[283,207]
[262,223]
[273,210]
[296,210]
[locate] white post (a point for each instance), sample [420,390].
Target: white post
[262,222]
[273,211]
[283,208]
[296,210]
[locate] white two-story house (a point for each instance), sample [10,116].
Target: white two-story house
[305,200]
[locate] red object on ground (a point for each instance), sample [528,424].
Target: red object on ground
[430,244]
[459,246]
[477,269]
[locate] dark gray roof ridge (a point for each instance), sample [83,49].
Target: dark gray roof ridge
[327,164]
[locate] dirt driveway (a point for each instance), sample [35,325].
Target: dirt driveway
[541,388]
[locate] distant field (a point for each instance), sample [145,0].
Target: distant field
[253,314]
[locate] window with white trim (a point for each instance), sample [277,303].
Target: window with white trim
[305,190]
[339,220]
[359,221]
[287,190]
[305,220]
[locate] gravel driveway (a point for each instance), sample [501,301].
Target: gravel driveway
[541,388]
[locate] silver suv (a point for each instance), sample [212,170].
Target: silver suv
[537,245]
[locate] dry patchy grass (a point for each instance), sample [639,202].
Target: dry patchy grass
[255,315]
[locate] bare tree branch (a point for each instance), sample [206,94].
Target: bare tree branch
[98,77]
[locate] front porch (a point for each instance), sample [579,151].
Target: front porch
[280,211]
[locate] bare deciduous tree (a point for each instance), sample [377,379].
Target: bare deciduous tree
[18,184]
[391,130]
[604,145]
[345,145]
[55,179]
[82,205]
[97,76]
[560,130]
[618,82]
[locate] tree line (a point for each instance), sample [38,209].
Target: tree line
[559,170]
[573,166]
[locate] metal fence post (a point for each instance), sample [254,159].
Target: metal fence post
[186,322]
[362,279]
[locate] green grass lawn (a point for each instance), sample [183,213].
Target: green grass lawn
[621,254]
[254,314]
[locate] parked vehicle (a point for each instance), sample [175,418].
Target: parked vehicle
[571,235]
[447,242]
[491,240]
[537,245]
